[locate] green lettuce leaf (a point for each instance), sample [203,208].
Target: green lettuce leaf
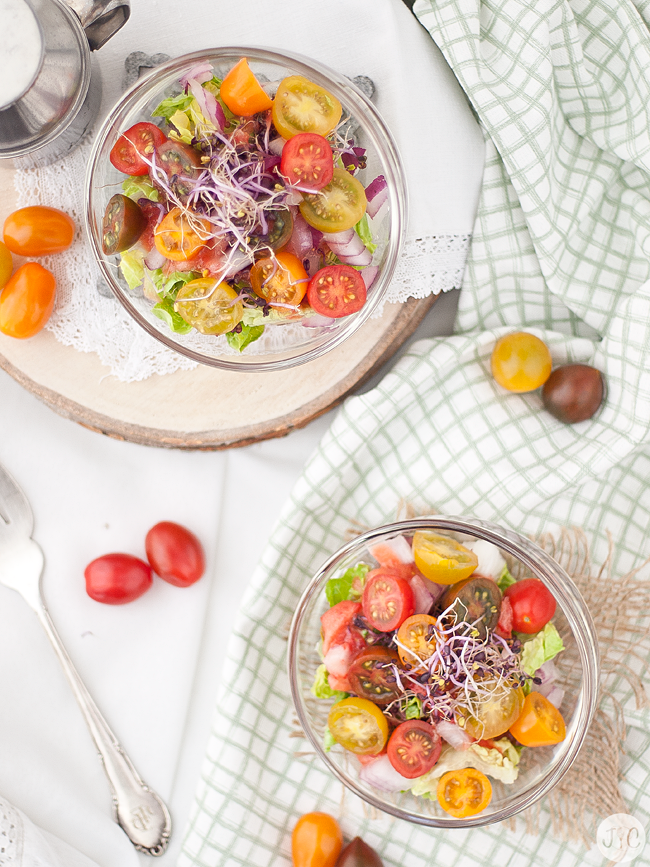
[139,188]
[322,689]
[171,105]
[328,740]
[164,310]
[412,708]
[339,589]
[248,334]
[505,580]
[540,649]
[168,285]
[363,231]
[132,267]
[500,764]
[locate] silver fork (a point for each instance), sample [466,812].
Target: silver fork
[138,810]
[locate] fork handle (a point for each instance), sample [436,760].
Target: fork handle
[138,810]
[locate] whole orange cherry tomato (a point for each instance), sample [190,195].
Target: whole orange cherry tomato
[6,264]
[316,841]
[26,302]
[38,231]
[521,362]
[539,724]
[242,92]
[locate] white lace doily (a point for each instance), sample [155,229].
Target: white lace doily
[87,316]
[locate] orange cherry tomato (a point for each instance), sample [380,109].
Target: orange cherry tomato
[464,793]
[242,92]
[539,724]
[38,231]
[181,234]
[415,639]
[358,725]
[316,841]
[27,301]
[6,264]
[280,279]
[521,362]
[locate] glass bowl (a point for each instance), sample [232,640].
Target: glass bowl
[282,345]
[541,768]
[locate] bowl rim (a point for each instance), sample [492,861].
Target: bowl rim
[569,600]
[376,129]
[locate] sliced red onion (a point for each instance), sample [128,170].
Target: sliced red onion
[337,660]
[382,775]
[369,274]
[490,559]
[547,673]
[202,72]
[556,696]
[349,247]
[154,259]
[397,549]
[313,261]
[293,197]
[208,104]
[454,735]
[276,146]
[318,321]
[377,194]
[423,599]
[300,243]
[238,260]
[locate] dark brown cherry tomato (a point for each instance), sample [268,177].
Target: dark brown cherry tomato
[414,748]
[307,161]
[336,290]
[387,599]
[316,841]
[27,301]
[177,158]
[133,151]
[533,605]
[279,229]
[175,553]
[372,676]
[117,578]
[574,392]
[476,600]
[359,854]
[38,231]
[123,224]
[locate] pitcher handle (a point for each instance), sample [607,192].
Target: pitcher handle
[100,19]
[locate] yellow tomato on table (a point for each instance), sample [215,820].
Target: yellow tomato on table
[521,362]
[316,841]
[38,230]
[27,301]
[6,264]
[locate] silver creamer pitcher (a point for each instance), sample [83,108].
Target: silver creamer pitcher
[50,90]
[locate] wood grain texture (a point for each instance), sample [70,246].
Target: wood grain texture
[204,408]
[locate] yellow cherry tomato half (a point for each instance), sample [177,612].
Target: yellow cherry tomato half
[6,264]
[180,235]
[540,723]
[358,725]
[316,841]
[464,793]
[27,300]
[242,92]
[415,639]
[38,230]
[494,710]
[280,279]
[209,306]
[441,558]
[300,105]
[521,362]
[338,206]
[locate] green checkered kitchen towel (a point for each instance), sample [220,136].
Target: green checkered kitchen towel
[561,247]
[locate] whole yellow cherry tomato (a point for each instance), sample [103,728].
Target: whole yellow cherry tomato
[27,301]
[316,841]
[38,231]
[521,362]
[6,264]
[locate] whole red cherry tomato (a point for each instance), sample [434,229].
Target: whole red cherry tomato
[117,578]
[532,603]
[316,841]
[27,301]
[175,553]
[38,231]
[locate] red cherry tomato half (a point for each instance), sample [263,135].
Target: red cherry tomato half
[414,748]
[117,578]
[307,161]
[336,290]
[387,600]
[175,554]
[38,231]
[316,841]
[532,604]
[27,301]
[140,140]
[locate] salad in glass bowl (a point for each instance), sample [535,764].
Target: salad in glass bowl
[245,207]
[445,669]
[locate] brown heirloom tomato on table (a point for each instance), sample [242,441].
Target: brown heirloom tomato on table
[38,231]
